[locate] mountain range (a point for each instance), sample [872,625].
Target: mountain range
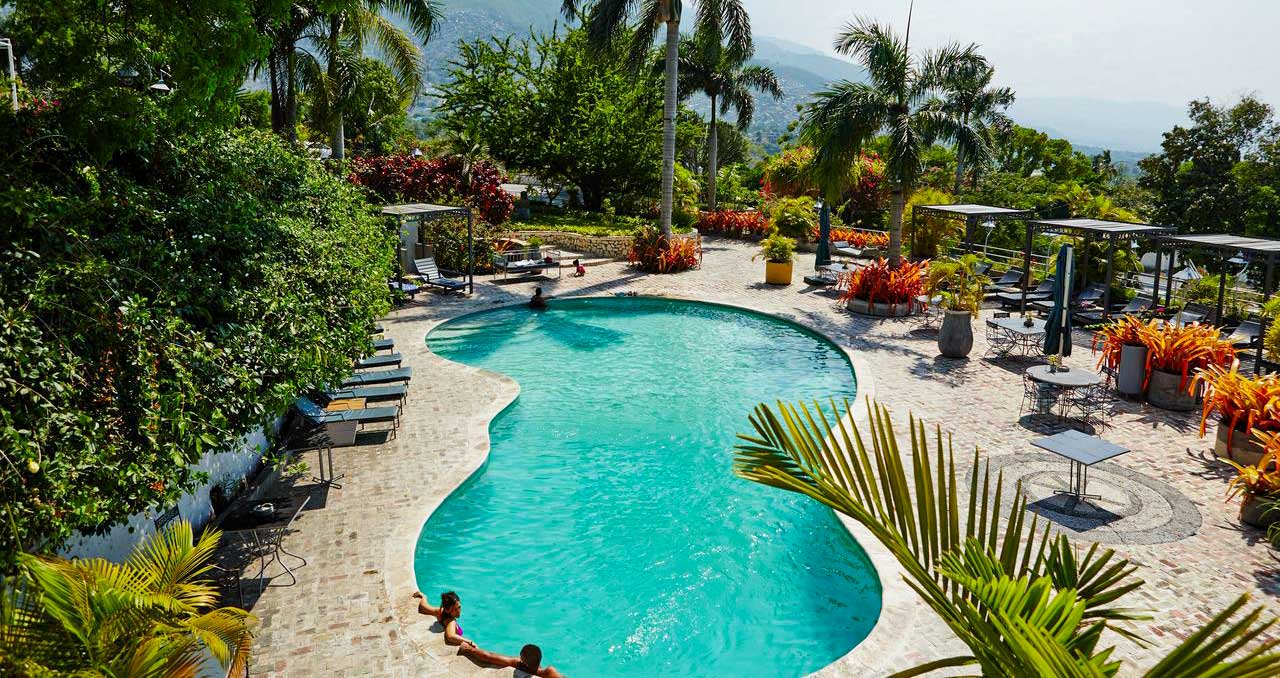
[1130,129]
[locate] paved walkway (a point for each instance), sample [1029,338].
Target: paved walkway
[350,613]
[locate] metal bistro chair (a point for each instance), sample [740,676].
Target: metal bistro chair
[931,319]
[1037,398]
[999,342]
[270,544]
[1092,402]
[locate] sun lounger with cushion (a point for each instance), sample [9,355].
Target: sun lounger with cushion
[429,273]
[1245,335]
[1137,306]
[388,392]
[384,344]
[378,377]
[1041,293]
[389,360]
[369,415]
[1090,295]
[1007,283]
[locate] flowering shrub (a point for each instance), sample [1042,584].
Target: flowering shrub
[1170,348]
[1239,399]
[733,223]
[656,253]
[878,283]
[402,178]
[855,237]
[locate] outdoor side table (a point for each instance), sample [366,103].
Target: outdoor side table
[1083,451]
[1064,382]
[267,534]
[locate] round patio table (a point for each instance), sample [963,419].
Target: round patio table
[1072,378]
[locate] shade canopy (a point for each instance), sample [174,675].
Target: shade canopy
[1100,228]
[410,215]
[1226,242]
[966,211]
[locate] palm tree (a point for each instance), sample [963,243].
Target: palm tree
[156,614]
[1024,602]
[607,22]
[897,100]
[709,66]
[341,36]
[969,97]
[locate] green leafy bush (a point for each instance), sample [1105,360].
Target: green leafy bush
[777,248]
[163,304]
[793,217]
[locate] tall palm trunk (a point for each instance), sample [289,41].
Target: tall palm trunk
[959,170]
[339,141]
[669,120]
[713,138]
[895,225]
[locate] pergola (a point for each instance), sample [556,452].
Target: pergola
[1091,229]
[972,215]
[410,216]
[1252,249]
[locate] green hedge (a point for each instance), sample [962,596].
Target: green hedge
[161,304]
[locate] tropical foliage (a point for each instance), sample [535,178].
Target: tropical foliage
[1023,601]
[1177,349]
[793,217]
[160,305]
[880,283]
[655,252]
[156,614]
[733,223]
[777,248]
[443,181]
[1241,402]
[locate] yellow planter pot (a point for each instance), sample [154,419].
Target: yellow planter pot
[777,273]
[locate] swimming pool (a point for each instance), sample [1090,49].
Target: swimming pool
[607,525]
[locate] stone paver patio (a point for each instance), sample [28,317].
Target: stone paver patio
[351,614]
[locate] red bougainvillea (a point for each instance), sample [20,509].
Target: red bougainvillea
[402,178]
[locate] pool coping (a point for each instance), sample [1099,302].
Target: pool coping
[885,648]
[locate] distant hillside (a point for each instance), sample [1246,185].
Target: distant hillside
[1135,126]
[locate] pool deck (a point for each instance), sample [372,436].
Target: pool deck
[351,612]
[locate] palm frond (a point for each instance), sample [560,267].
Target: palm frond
[879,49]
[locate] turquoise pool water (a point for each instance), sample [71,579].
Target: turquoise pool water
[608,527]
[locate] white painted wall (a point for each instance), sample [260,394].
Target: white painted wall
[195,508]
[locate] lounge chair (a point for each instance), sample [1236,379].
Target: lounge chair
[1091,294]
[362,416]
[396,392]
[1014,299]
[1186,318]
[1137,306]
[378,377]
[842,248]
[1007,283]
[429,273]
[389,360]
[1246,335]
[383,344]
[982,267]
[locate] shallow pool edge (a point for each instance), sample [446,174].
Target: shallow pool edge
[885,648]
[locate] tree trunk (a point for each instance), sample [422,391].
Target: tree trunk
[959,171]
[895,226]
[713,166]
[274,71]
[339,140]
[669,122]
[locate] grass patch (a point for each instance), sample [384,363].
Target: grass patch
[580,221]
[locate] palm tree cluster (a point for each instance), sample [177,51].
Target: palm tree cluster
[1026,602]
[318,48]
[914,100]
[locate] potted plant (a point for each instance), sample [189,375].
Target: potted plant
[1259,485]
[778,252]
[962,291]
[1241,405]
[1124,352]
[535,247]
[879,290]
[1173,354]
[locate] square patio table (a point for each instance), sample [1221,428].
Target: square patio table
[1083,451]
[1022,335]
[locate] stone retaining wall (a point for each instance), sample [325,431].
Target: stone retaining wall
[613,246]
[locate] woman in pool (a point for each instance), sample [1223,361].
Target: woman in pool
[448,612]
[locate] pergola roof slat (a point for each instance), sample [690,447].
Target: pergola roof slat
[969,210]
[1100,227]
[1226,242]
[420,210]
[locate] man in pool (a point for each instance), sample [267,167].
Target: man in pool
[529,661]
[538,302]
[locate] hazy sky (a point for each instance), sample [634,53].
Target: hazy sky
[1169,51]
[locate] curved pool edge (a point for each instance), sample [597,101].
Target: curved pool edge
[885,647]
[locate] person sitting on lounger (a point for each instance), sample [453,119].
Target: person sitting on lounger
[538,302]
[448,612]
[529,661]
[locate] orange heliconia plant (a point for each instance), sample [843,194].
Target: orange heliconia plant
[1261,479]
[878,282]
[1180,349]
[1237,399]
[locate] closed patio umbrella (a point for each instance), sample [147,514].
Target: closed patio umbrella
[1057,331]
[824,236]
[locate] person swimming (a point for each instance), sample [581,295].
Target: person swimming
[529,661]
[448,613]
[538,302]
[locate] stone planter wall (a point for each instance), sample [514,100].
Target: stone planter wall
[612,246]
[1244,449]
[1253,511]
[881,310]
[1166,391]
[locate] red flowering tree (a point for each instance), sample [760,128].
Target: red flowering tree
[402,178]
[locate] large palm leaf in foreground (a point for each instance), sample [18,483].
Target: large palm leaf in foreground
[1020,598]
[156,614]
